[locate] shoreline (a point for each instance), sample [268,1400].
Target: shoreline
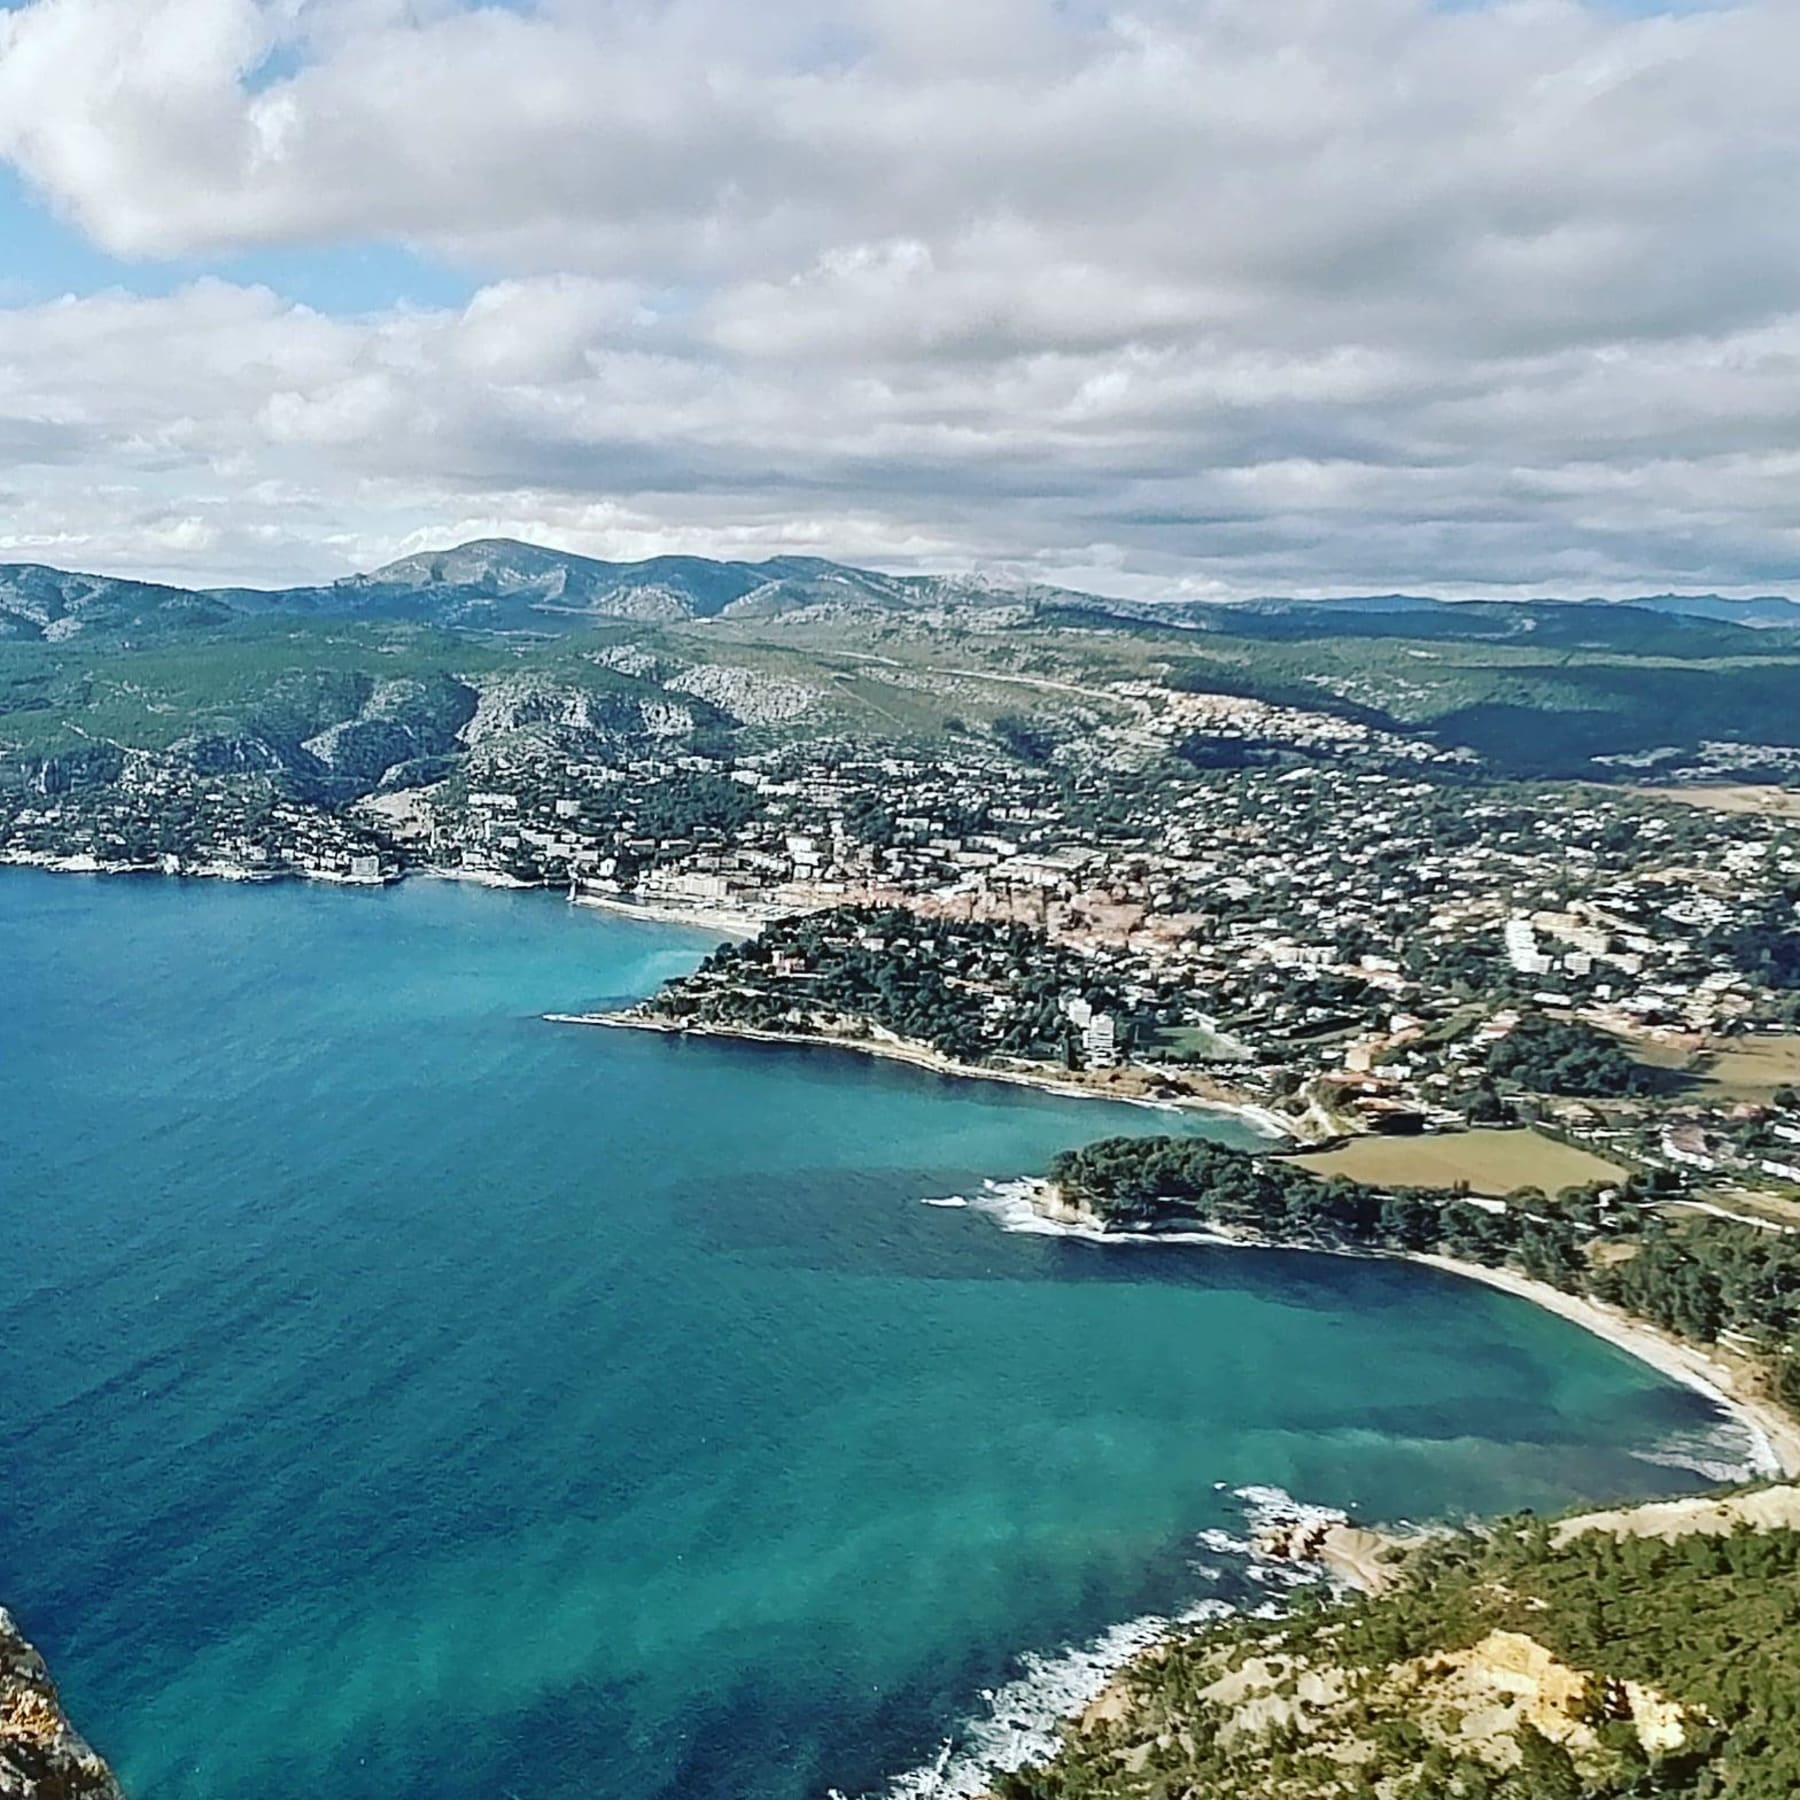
[1774,1435]
[1352,1555]
[1268,1124]
[736,925]
[726,923]
[239,874]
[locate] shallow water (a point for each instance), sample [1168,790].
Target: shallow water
[407,1397]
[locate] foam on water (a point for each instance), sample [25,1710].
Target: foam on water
[1016,1206]
[1733,1450]
[1021,1721]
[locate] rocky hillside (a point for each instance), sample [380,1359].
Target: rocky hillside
[1624,1654]
[50,605]
[41,1756]
[497,584]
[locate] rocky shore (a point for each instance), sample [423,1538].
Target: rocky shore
[1351,1554]
[42,1757]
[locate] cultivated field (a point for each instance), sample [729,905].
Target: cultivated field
[1491,1162]
[1745,797]
[1752,1069]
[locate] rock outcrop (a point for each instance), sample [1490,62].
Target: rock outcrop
[41,1755]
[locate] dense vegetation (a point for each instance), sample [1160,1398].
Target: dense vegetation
[1701,1277]
[1533,689]
[970,990]
[689,804]
[1565,1056]
[1708,1623]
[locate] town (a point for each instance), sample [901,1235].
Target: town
[1316,926]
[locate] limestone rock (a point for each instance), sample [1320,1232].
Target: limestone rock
[41,1755]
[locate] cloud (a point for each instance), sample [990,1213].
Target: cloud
[1198,294]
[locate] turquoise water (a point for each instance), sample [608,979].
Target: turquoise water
[408,1398]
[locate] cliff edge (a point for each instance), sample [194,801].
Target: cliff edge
[41,1755]
[1647,1650]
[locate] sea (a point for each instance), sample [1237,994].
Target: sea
[408,1398]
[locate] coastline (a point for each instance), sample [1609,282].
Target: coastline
[1351,1555]
[736,925]
[918,1056]
[1770,1430]
[80,864]
[727,924]
[1774,1435]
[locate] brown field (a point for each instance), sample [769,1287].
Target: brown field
[1491,1162]
[1751,1069]
[1746,797]
[1776,1209]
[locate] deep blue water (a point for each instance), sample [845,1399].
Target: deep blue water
[407,1398]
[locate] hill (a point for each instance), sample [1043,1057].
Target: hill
[500,584]
[1588,689]
[1613,1657]
[52,605]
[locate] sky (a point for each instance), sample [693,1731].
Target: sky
[1180,297]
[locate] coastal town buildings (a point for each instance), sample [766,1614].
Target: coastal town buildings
[1348,932]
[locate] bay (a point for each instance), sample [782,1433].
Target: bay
[408,1397]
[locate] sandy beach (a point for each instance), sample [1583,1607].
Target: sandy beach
[1776,1434]
[727,924]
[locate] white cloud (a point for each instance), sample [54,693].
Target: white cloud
[1243,293]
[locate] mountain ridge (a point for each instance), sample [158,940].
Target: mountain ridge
[508,585]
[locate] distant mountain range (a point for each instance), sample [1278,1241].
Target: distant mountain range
[498,585]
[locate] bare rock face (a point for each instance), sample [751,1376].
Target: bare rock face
[41,1757]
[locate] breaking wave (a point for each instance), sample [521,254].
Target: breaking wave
[1732,1450]
[1015,1206]
[1020,1721]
